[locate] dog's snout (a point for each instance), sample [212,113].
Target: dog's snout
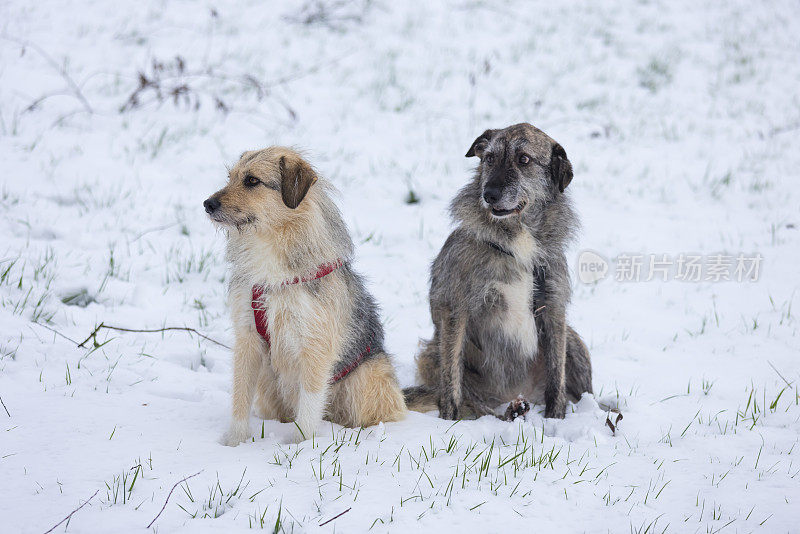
[491,195]
[211,204]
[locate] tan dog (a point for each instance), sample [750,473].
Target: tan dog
[308,337]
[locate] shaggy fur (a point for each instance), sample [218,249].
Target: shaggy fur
[500,286]
[281,224]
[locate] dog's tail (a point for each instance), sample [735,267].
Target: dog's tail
[421,398]
[425,397]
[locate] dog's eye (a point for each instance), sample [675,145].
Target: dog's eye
[251,181]
[489,158]
[523,159]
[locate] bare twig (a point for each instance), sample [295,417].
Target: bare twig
[334,517]
[156,229]
[172,80]
[101,326]
[53,330]
[4,406]
[72,512]
[74,87]
[178,483]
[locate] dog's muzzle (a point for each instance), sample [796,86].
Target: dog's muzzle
[498,211]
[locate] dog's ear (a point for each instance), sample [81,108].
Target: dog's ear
[247,155]
[479,144]
[297,177]
[560,167]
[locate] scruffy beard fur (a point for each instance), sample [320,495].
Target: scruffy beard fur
[276,233]
[227,223]
[558,222]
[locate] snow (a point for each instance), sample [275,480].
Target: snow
[681,120]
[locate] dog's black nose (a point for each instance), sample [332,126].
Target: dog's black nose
[491,195]
[211,205]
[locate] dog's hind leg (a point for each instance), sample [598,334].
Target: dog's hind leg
[368,395]
[578,366]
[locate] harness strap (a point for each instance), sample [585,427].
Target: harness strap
[351,366]
[262,324]
[260,314]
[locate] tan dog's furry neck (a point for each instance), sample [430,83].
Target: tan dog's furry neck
[314,235]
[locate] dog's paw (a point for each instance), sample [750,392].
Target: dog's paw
[264,412]
[448,409]
[237,434]
[298,435]
[555,411]
[293,439]
[231,439]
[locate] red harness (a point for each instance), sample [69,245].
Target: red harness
[260,313]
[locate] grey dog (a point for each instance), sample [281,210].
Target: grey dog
[499,287]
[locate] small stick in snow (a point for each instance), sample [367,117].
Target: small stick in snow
[334,517]
[168,496]
[149,331]
[4,406]
[53,330]
[613,426]
[72,512]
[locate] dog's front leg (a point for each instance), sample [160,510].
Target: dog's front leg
[451,365]
[309,368]
[269,404]
[311,402]
[247,355]
[552,332]
[312,394]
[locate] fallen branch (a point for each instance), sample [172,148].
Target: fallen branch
[71,513]
[4,406]
[178,483]
[102,326]
[334,517]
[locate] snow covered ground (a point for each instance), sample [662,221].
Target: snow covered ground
[682,120]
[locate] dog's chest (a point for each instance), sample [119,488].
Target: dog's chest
[512,312]
[285,317]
